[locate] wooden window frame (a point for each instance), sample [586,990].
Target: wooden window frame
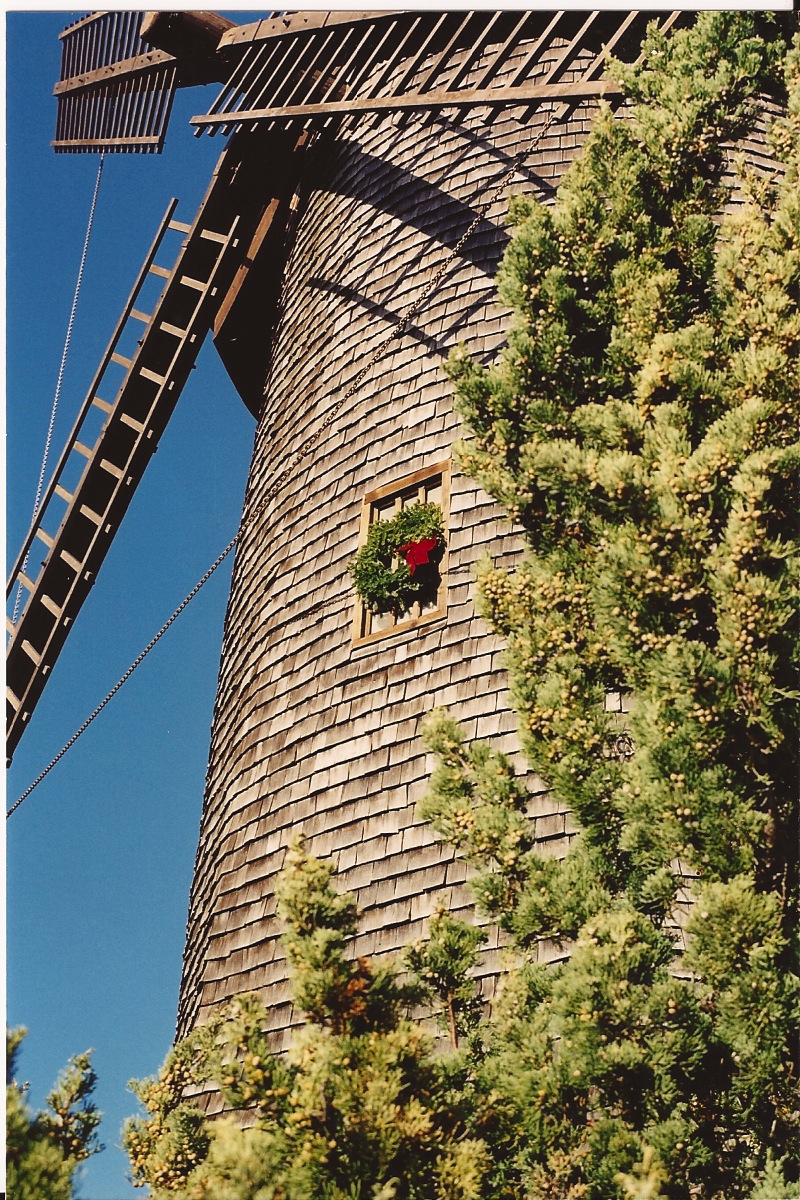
[363,634]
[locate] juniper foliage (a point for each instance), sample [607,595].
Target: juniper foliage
[44,1149]
[361,1107]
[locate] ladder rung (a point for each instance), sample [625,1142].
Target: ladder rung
[84,450]
[51,605]
[211,236]
[64,494]
[140,316]
[112,470]
[71,560]
[13,700]
[131,422]
[45,537]
[91,514]
[173,329]
[32,654]
[162,271]
[103,405]
[10,626]
[25,581]
[180,226]
[122,360]
[151,375]
[197,284]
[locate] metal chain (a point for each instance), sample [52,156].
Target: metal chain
[60,379]
[304,450]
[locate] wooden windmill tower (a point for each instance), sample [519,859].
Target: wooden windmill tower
[343,247]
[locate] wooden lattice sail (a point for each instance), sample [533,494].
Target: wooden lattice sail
[116,88]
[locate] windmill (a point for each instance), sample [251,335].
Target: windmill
[361,150]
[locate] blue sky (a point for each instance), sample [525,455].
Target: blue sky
[100,855]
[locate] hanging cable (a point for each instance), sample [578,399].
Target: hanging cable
[304,450]
[60,379]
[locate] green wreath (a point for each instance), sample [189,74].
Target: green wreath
[384,587]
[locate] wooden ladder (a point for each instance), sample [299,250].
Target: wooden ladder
[98,473]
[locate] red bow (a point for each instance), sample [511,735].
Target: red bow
[416,553]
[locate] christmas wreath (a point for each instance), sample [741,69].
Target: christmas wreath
[399,562]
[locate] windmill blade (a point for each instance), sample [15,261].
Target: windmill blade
[309,67]
[119,74]
[98,473]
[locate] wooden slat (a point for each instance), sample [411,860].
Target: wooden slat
[131,422]
[32,653]
[622,29]
[55,488]
[445,54]
[45,537]
[94,517]
[173,330]
[392,60]
[111,468]
[105,143]
[565,57]
[71,560]
[413,66]
[152,376]
[503,52]
[51,606]
[536,50]
[262,81]
[272,88]
[474,53]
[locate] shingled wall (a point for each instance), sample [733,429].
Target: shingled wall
[311,733]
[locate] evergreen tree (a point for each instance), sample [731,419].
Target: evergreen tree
[360,1107]
[43,1150]
[641,427]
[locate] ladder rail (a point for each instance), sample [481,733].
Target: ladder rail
[91,394]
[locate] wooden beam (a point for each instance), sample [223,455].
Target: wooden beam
[126,67]
[77,24]
[524,92]
[294,22]
[262,229]
[112,142]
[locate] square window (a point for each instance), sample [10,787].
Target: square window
[430,485]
